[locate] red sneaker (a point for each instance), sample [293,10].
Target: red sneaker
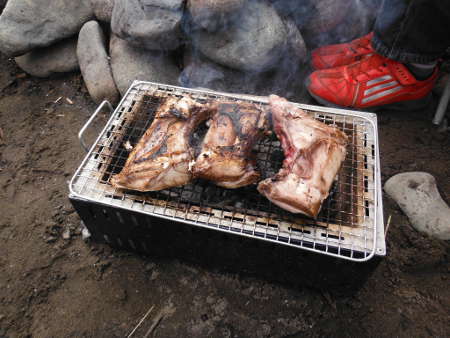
[372,82]
[342,54]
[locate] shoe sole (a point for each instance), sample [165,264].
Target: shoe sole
[412,105]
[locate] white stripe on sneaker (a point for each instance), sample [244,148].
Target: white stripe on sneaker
[379,87]
[379,80]
[381,94]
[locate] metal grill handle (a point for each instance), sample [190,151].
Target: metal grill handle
[86,125]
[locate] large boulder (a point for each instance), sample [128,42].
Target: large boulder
[255,41]
[150,24]
[58,58]
[327,15]
[286,79]
[199,72]
[26,25]
[417,195]
[213,14]
[358,21]
[103,9]
[94,63]
[296,49]
[130,63]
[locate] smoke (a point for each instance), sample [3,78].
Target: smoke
[355,21]
[260,46]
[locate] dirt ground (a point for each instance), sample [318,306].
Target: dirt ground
[51,286]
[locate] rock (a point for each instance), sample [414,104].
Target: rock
[103,9]
[213,15]
[327,15]
[296,46]
[66,234]
[199,72]
[417,195]
[263,330]
[253,42]
[357,22]
[26,25]
[94,64]
[85,234]
[130,63]
[150,24]
[154,275]
[58,58]
[285,78]
[149,266]
[50,239]
[122,295]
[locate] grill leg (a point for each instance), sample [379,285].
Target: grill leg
[443,104]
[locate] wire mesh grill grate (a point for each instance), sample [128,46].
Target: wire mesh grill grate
[345,227]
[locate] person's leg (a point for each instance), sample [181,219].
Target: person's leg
[413,31]
[410,35]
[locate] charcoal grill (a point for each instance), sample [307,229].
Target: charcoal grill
[349,226]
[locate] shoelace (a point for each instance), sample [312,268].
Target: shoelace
[358,47]
[364,66]
[361,44]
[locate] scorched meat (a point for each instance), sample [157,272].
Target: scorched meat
[161,158]
[226,157]
[313,152]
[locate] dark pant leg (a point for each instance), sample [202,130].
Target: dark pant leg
[413,30]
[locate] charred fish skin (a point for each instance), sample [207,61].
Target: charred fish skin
[226,154]
[314,153]
[160,160]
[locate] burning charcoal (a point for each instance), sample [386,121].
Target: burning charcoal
[219,197]
[151,24]
[213,14]
[254,41]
